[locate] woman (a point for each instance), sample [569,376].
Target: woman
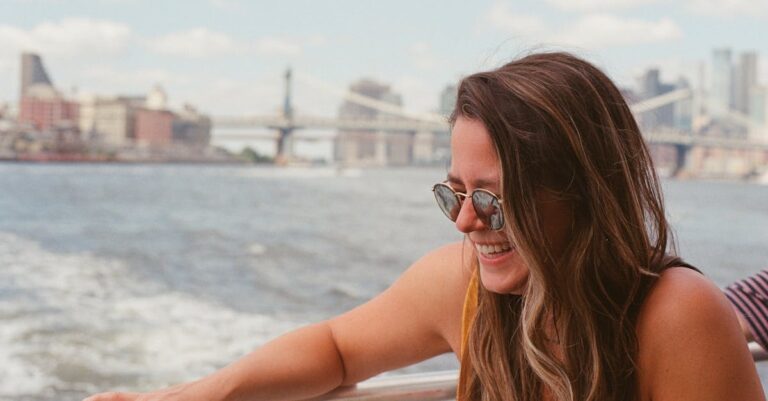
[561,289]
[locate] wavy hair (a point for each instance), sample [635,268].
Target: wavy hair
[560,125]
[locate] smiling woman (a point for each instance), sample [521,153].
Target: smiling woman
[563,289]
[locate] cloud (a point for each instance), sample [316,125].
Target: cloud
[70,37]
[503,18]
[591,5]
[93,39]
[102,80]
[731,8]
[202,43]
[749,8]
[606,30]
[196,43]
[592,30]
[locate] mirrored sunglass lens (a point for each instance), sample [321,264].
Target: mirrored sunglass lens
[447,201]
[488,209]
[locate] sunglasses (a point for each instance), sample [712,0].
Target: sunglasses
[487,205]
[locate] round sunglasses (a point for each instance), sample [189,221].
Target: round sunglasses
[487,205]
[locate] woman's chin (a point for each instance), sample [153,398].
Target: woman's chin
[503,281]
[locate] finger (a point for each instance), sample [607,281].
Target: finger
[113,396]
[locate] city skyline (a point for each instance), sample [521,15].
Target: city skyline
[736,108]
[227,57]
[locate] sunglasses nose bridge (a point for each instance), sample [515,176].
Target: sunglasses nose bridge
[467,219]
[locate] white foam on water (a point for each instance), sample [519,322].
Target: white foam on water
[256,249]
[76,322]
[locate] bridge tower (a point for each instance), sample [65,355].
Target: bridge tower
[682,153]
[284,152]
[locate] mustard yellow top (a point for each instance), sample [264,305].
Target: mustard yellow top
[467,316]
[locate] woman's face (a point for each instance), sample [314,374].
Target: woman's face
[474,165]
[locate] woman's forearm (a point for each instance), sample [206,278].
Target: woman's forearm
[297,365]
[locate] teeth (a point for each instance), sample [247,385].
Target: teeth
[491,249]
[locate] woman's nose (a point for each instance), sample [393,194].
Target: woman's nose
[467,220]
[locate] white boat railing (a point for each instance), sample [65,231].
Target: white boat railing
[430,386]
[758,353]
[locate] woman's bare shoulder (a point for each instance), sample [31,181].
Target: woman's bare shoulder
[690,344]
[680,293]
[451,262]
[440,277]
[438,282]
[682,306]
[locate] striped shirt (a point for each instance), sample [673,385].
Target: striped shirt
[750,298]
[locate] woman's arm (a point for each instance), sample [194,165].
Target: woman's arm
[690,344]
[418,317]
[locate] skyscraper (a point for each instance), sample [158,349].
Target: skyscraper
[41,106]
[650,87]
[32,72]
[721,83]
[744,80]
[758,113]
[448,99]
[683,109]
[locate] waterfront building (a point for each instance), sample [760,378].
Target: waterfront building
[7,137]
[157,99]
[115,123]
[721,83]
[153,128]
[87,115]
[32,73]
[43,109]
[372,147]
[110,122]
[192,129]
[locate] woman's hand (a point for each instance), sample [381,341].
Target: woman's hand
[192,391]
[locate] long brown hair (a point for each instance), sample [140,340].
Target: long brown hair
[560,125]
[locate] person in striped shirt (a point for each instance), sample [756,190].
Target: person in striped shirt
[749,298]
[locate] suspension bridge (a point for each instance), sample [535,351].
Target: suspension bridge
[418,130]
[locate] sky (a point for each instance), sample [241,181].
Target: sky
[227,57]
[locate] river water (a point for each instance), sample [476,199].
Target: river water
[137,276]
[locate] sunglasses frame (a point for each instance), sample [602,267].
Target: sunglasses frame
[462,196]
